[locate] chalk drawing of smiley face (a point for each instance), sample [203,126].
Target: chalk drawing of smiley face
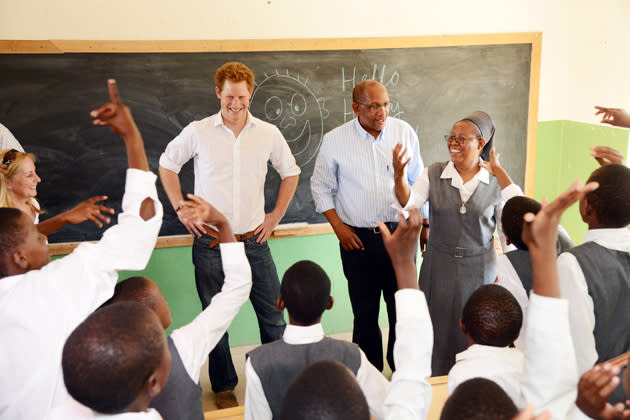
[288,103]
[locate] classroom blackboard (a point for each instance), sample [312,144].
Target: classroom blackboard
[45,100]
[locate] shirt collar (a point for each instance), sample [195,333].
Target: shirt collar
[365,135]
[616,239]
[476,350]
[295,334]
[456,179]
[218,122]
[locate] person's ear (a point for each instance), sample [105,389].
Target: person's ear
[153,385]
[20,260]
[462,327]
[218,92]
[355,108]
[481,143]
[331,301]
[280,303]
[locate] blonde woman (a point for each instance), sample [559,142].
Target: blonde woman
[18,189]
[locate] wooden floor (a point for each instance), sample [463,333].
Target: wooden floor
[440,392]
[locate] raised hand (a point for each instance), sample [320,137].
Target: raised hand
[115,114]
[399,161]
[594,389]
[89,210]
[606,155]
[401,247]
[195,212]
[541,230]
[493,165]
[614,116]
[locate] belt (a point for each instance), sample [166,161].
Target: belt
[460,252]
[375,230]
[241,237]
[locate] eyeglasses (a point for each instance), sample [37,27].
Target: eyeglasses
[9,157]
[458,140]
[376,107]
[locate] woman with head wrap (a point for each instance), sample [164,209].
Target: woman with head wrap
[466,195]
[18,189]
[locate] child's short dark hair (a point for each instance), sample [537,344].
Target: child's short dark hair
[109,356]
[478,399]
[492,316]
[611,200]
[12,234]
[325,390]
[134,289]
[512,218]
[305,290]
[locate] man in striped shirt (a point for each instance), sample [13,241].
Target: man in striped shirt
[352,185]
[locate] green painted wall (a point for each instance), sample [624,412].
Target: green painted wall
[562,156]
[172,269]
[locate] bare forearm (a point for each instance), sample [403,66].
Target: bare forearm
[402,191]
[287,189]
[502,177]
[136,156]
[52,224]
[333,218]
[225,232]
[172,186]
[545,272]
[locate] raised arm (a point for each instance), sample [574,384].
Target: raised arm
[550,371]
[410,393]
[118,117]
[196,211]
[606,155]
[401,187]
[195,340]
[494,167]
[614,116]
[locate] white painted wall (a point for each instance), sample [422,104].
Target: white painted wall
[583,58]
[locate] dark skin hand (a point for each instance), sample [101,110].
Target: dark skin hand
[594,389]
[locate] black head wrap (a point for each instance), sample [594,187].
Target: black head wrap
[486,127]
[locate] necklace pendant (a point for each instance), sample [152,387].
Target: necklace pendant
[462,209]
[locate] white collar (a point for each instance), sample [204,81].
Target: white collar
[219,120]
[295,334]
[364,134]
[456,179]
[475,350]
[616,239]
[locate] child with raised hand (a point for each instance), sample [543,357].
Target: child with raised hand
[410,394]
[595,276]
[550,375]
[313,396]
[189,345]
[41,302]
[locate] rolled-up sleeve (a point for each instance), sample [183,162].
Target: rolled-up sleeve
[179,151]
[282,159]
[324,181]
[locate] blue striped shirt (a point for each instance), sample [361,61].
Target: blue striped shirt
[354,172]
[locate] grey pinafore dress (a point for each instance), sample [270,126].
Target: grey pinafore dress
[460,257]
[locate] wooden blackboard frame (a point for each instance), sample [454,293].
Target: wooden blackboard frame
[156,46]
